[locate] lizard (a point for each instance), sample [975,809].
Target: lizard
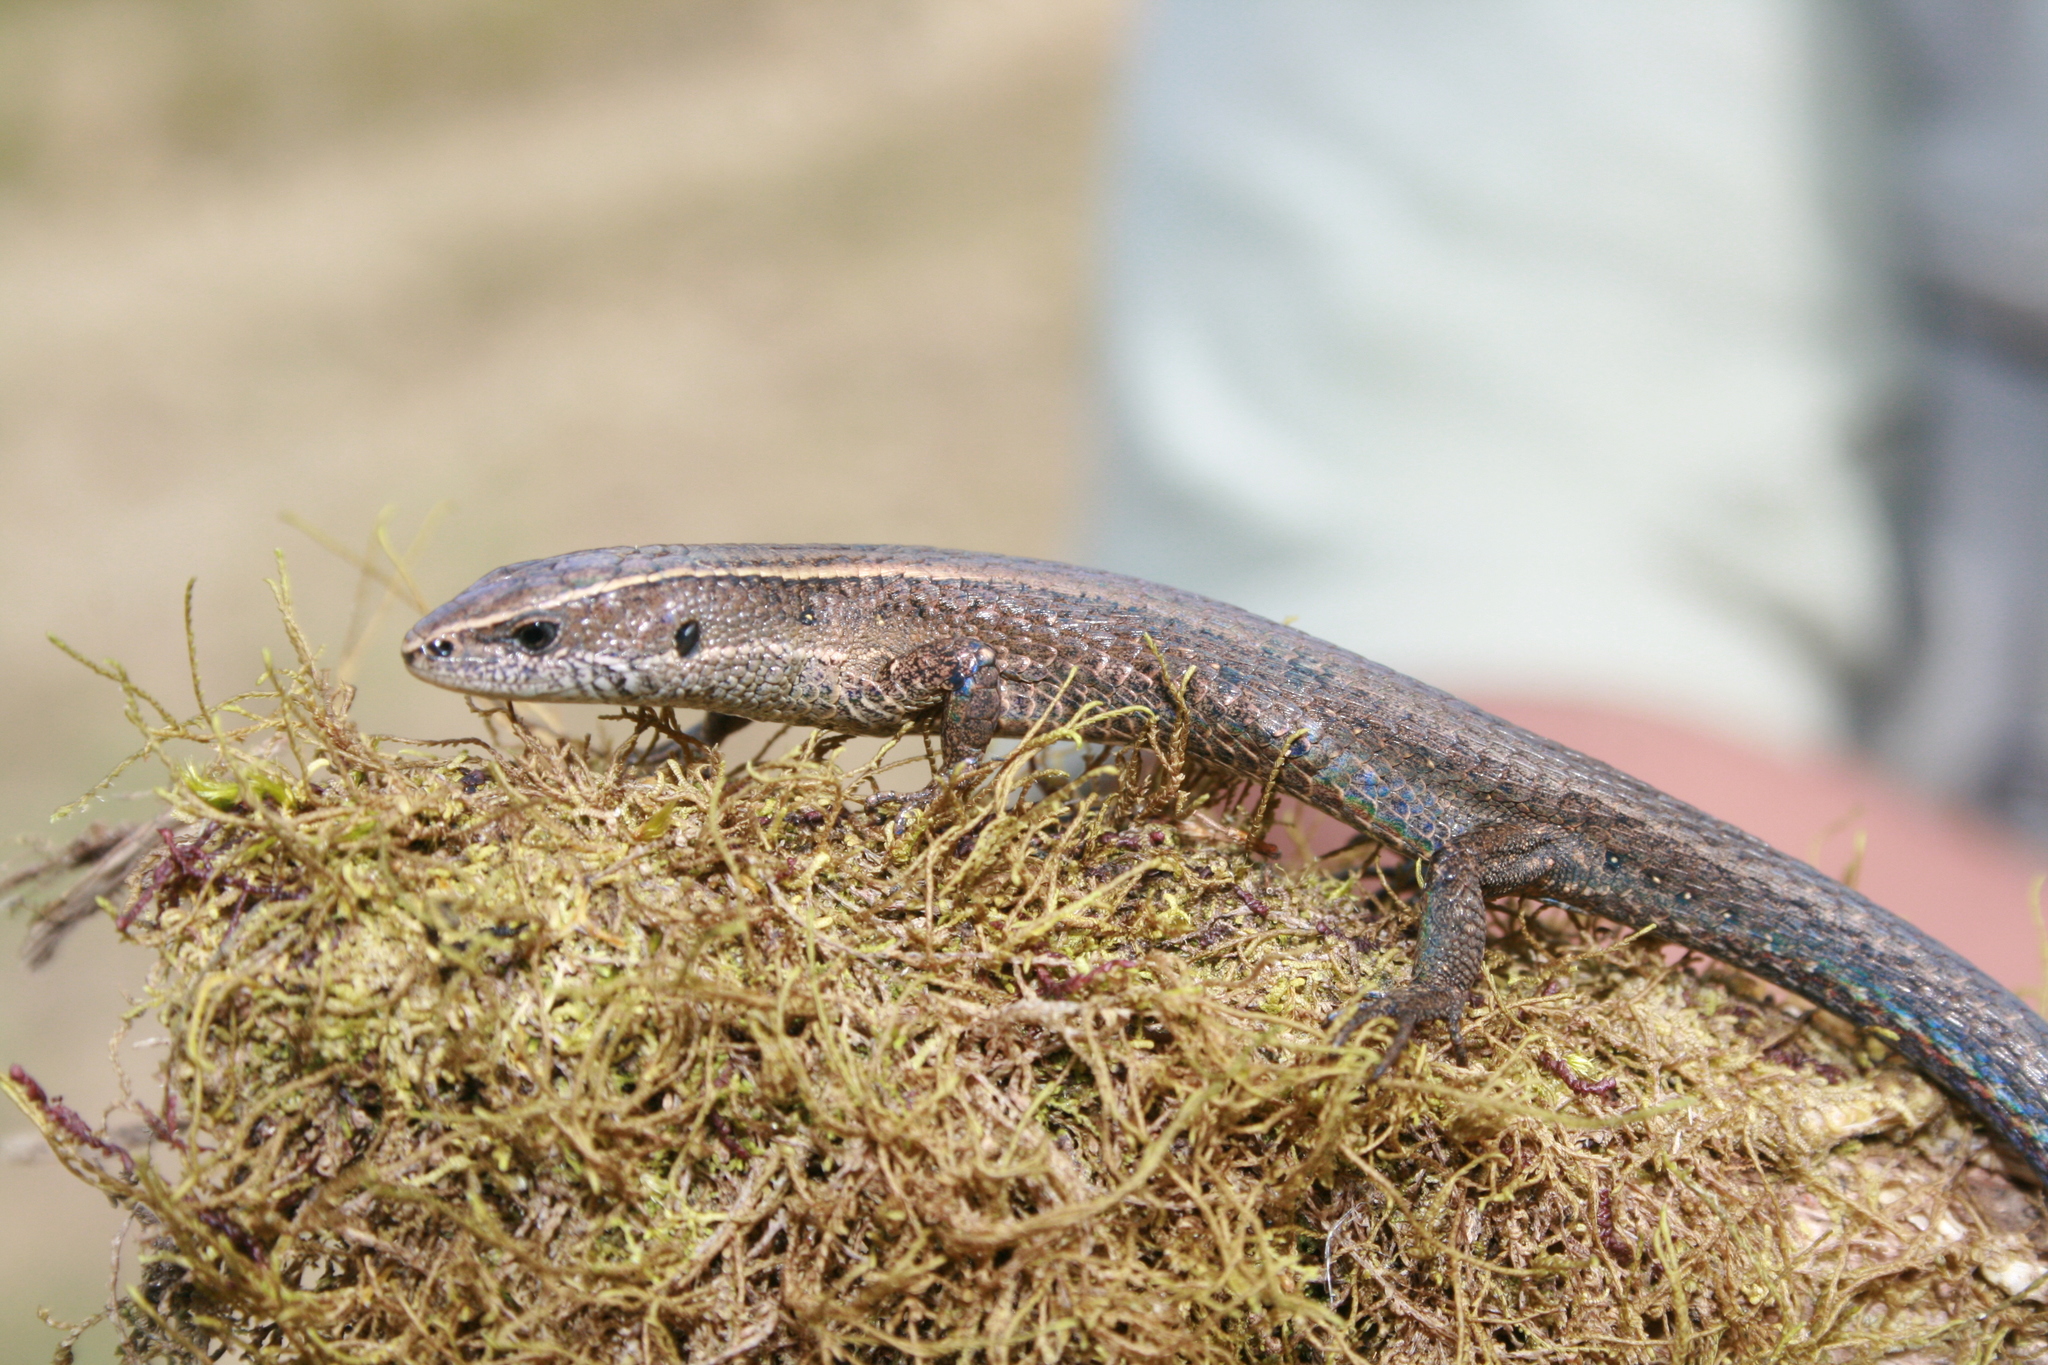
[877,640]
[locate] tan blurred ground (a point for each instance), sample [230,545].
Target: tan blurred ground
[591,274]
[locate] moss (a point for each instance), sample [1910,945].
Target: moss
[531,1050]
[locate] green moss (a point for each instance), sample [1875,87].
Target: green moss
[535,1051]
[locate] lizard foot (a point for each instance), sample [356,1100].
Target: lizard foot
[907,802]
[1407,1006]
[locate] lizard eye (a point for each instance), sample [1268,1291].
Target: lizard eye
[441,647]
[535,636]
[687,635]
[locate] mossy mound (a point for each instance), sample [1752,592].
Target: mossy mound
[529,1051]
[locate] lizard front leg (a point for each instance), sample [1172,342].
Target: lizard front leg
[969,711]
[710,732]
[1495,860]
[973,707]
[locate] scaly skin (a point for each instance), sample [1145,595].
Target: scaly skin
[870,639]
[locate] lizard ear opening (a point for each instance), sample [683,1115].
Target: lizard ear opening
[687,636]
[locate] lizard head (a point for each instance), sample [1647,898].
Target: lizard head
[620,625]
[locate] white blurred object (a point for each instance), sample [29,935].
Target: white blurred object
[1524,345]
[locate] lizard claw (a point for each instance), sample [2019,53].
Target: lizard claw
[1408,1006]
[908,801]
[940,784]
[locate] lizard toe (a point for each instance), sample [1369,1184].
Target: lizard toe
[1407,1006]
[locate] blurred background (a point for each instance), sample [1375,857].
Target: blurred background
[595,274]
[1669,377]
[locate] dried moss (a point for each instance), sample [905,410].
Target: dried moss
[527,1051]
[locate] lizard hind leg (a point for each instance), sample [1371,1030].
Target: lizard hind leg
[1491,861]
